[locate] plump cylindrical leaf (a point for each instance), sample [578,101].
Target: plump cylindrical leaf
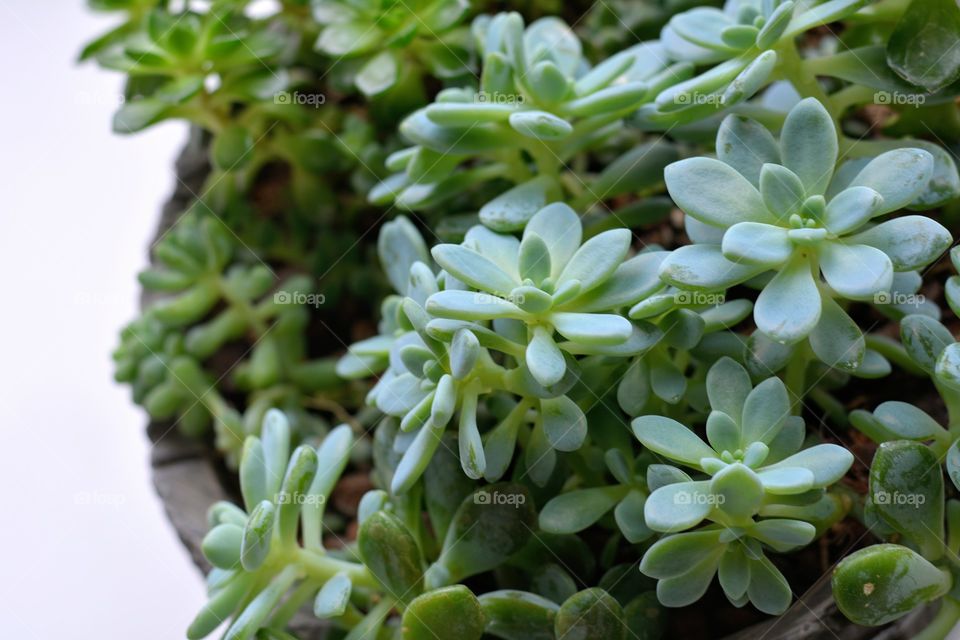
[450,613]
[391,554]
[491,524]
[518,615]
[879,584]
[906,489]
[592,613]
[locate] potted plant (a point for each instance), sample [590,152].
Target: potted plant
[608,321]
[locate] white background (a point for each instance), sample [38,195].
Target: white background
[78,207]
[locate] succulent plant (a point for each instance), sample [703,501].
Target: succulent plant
[761,490]
[763,206]
[553,335]
[388,36]
[536,97]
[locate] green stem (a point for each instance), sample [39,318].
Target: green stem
[833,407]
[323,567]
[793,68]
[795,377]
[548,164]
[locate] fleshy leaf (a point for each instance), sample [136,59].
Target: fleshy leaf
[669,438]
[809,146]
[883,582]
[714,192]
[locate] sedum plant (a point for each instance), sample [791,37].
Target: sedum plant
[762,491]
[666,302]
[763,206]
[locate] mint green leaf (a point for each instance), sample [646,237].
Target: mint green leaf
[400,245]
[540,125]
[597,259]
[672,556]
[722,432]
[512,209]
[378,74]
[856,271]
[734,572]
[574,511]
[559,227]
[416,458]
[756,243]
[534,258]
[746,145]
[544,358]
[851,208]
[768,591]
[474,269]
[827,462]
[784,535]
[680,506]
[808,144]
[464,114]
[789,306]
[669,438]
[924,340]
[563,423]
[470,305]
[837,340]
[911,242]
[592,328]
[630,519]
[728,385]
[782,190]
[899,176]
[257,535]
[714,193]
[703,267]
[221,545]
[737,491]
[632,281]
[333,597]
[904,420]
[687,588]
[786,481]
